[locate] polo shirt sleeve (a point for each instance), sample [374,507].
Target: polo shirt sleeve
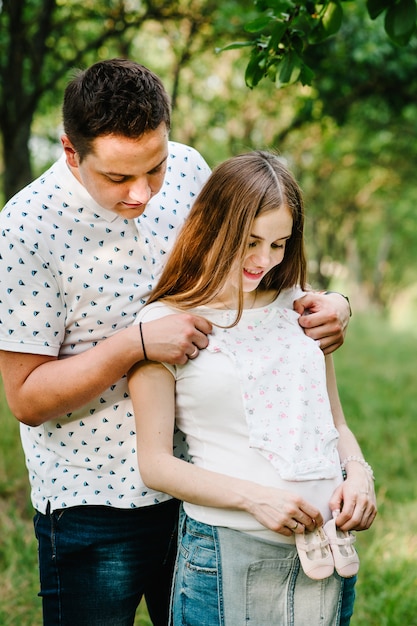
[32,314]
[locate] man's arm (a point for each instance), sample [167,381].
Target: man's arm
[39,388]
[324,317]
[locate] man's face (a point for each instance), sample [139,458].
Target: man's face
[120,173]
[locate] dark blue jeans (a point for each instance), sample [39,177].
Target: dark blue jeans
[97,562]
[348,600]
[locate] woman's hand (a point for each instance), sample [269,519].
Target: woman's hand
[355,499]
[282,511]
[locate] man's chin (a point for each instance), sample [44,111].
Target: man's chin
[129,212]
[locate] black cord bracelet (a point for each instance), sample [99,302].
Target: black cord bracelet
[145,357]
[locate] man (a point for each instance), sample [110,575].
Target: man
[81,248]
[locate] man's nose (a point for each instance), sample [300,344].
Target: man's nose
[140,191]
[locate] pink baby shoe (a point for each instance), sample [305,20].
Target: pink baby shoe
[315,554]
[346,560]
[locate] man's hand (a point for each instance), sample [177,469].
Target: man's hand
[324,318]
[176,338]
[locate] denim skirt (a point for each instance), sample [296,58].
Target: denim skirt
[225,577]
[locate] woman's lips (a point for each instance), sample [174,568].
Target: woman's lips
[253,274]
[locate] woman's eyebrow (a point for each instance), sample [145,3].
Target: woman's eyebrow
[262,238]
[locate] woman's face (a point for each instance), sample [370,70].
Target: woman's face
[265,250]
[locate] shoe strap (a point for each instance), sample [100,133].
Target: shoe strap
[346,541]
[314,545]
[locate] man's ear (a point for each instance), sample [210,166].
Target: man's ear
[70,152]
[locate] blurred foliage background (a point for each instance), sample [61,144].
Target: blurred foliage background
[350,136]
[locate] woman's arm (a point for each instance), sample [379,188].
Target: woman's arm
[355,498]
[152,389]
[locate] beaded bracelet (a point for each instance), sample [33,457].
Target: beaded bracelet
[143,343]
[358,459]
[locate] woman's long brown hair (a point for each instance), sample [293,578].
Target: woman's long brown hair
[217,231]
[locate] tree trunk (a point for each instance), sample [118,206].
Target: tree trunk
[16,154]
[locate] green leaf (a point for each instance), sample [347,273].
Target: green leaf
[254,72]
[235,45]
[326,24]
[289,69]
[317,34]
[400,21]
[277,34]
[297,42]
[258,24]
[376,7]
[332,18]
[272,71]
[278,6]
[306,75]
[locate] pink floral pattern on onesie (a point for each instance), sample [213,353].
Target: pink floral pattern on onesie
[283,382]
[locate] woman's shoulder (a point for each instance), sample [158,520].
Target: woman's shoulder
[285,299]
[155,311]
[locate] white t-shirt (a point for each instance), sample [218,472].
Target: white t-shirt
[71,274]
[254,405]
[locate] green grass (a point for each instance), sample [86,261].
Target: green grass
[376,371]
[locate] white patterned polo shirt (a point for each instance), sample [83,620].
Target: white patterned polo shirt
[72,274]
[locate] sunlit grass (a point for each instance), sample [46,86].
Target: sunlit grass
[387,586]
[376,370]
